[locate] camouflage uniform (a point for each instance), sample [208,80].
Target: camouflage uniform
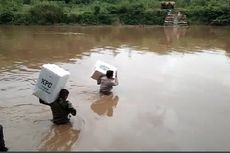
[60,109]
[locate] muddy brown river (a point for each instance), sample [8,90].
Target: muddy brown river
[173,92]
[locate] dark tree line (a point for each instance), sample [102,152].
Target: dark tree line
[108,12]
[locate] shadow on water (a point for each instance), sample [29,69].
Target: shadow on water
[105,104]
[60,138]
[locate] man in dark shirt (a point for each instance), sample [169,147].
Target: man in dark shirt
[61,108]
[2,142]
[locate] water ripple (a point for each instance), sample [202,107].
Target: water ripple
[20,79]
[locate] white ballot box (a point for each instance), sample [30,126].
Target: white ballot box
[51,80]
[100,68]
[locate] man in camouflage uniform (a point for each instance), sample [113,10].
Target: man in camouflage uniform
[61,108]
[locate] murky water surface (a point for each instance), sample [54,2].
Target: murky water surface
[173,93]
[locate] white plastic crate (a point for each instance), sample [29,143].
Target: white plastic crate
[51,80]
[100,68]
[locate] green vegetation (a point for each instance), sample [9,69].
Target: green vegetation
[110,12]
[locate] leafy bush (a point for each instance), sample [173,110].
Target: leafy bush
[209,15]
[88,18]
[81,1]
[154,17]
[26,1]
[97,10]
[22,19]
[106,19]
[6,17]
[71,18]
[46,14]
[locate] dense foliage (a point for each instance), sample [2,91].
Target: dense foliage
[108,12]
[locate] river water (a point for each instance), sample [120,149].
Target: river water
[173,91]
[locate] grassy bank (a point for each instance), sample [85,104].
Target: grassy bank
[110,12]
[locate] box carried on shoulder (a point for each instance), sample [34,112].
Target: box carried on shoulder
[51,80]
[100,69]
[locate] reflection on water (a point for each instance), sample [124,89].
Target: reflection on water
[32,46]
[60,138]
[174,84]
[105,104]
[173,34]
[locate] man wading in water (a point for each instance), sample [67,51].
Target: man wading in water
[107,82]
[61,108]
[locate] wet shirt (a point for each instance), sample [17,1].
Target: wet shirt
[60,110]
[107,84]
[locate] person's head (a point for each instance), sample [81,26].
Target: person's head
[109,74]
[64,94]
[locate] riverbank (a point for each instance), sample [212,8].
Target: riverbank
[107,12]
